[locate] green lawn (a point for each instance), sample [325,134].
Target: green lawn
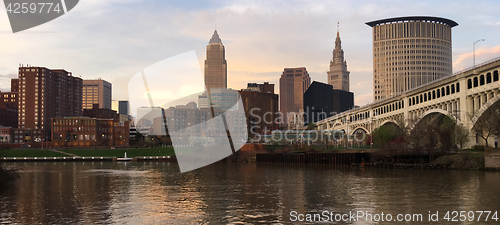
[29,153]
[132,152]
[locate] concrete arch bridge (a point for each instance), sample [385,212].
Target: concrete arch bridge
[465,96]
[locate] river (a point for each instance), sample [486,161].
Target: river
[230,193]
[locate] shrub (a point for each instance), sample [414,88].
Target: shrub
[479,148]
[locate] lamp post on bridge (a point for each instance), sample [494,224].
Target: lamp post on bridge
[474,53]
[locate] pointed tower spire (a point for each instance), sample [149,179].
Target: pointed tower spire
[215,38]
[338,76]
[338,46]
[338,25]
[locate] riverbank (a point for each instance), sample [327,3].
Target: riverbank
[461,161]
[116,153]
[465,160]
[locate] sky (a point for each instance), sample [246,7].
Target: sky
[116,39]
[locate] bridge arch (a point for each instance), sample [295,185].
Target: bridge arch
[484,108]
[359,128]
[389,121]
[441,111]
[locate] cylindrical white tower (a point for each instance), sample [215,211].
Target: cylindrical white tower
[409,52]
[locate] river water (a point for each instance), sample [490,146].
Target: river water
[227,193]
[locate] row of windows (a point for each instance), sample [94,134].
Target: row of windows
[444,91]
[360,116]
[482,80]
[389,108]
[411,46]
[413,40]
[412,29]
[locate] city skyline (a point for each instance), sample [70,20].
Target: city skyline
[256,48]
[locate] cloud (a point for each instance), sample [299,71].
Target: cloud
[115,39]
[464,60]
[5,81]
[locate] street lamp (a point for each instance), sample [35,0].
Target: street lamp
[474,52]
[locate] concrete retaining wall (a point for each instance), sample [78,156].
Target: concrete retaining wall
[492,159]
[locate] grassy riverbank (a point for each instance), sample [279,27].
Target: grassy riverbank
[29,153]
[131,152]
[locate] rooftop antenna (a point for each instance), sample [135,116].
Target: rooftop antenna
[338,26]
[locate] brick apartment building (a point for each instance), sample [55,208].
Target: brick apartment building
[8,105]
[88,132]
[261,108]
[44,94]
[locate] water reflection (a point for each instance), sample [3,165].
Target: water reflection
[156,192]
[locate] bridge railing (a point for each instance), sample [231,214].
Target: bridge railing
[477,65]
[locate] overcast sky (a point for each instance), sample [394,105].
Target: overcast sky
[115,39]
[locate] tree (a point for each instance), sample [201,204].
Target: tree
[386,133]
[488,124]
[446,133]
[461,135]
[311,126]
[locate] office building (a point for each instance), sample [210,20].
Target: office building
[215,72]
[293,83]
[122,107]
[8,107]
[409,52]
[96,92]
[338,76]
[224,98]
[266,87]
[260,108]
[322,101]
[45,94]
[5,134]
[101,113]
[342,101]
[186,123]
[318,102]
[8,115]
[145,119]
[215,64]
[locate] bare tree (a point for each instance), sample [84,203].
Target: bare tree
[461,135]
[487,125]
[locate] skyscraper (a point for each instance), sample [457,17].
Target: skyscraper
[96,92]
[215,64]
[338,76]
[45,94]
[409,52]
[260,105]
[121,107]
[293,83]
